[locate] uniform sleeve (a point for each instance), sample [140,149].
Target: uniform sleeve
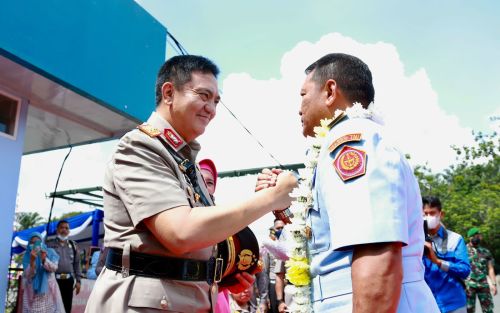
[460,267]
[143,179]
[371,208]
[76,262]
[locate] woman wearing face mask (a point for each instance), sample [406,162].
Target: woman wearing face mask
[41,292]
[445,260]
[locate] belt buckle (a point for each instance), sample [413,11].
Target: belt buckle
[219,262]
[64,276]
[125,272]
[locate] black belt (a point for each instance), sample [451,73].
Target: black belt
[166,267]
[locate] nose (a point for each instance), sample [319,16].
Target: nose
[211,108]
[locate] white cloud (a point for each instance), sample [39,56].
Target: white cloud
[269,109]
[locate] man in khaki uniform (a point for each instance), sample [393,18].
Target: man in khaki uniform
[158,228]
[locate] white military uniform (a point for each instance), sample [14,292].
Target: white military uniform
[142,180]
[365,192]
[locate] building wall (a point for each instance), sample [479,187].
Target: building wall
[11,150]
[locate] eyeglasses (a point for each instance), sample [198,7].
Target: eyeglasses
[204,95]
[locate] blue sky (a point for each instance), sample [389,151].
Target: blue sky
[456,42]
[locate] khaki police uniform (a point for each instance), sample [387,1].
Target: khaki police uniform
[142,180]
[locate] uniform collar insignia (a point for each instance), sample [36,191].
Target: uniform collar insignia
[173,139]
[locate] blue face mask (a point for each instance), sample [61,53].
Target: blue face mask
[277,233]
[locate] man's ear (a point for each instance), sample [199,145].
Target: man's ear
[331,89]
[167,93]
[442,215]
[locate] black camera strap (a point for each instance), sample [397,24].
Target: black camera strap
[188,168]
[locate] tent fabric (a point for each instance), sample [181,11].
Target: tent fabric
[80,225]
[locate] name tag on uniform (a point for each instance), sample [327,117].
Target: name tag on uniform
[344,139]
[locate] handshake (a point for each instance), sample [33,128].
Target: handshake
[277,178]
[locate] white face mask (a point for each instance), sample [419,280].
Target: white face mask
[62,237]
[433,221]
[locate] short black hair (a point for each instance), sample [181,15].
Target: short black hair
[62,222]
[431,201]
[351,74]
[178,70]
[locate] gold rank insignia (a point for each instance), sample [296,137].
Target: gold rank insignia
[350,163]
[172,138]
[344,139]
[149,130]
[247,259]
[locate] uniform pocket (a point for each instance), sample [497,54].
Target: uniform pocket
[166,295]
[319,222]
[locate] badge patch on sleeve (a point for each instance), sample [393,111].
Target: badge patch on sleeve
[344,139]
[350,163]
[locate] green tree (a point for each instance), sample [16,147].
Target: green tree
[470,190]
[67,215]
[25,220]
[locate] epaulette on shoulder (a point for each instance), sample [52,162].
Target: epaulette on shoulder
[149,130]
[337,119]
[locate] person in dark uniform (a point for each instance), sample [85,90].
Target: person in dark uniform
[68,274]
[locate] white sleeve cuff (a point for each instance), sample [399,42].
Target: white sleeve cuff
[445,266]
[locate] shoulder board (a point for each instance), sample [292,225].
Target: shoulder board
[337,119]
[149,130]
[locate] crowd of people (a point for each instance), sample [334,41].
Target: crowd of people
[367,243]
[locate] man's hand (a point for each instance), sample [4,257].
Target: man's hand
[282,307]
[267,178]
[263,307]
[77,287]
[245,281]
[285,183]
[494,290]
[432,255]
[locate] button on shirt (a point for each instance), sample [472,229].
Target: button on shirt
[383,205]
[446,283]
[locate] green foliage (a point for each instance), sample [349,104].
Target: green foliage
[25,220]
[470,190]
[67,215]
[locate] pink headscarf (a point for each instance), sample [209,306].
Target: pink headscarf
[207,164]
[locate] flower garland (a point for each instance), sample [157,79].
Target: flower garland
[298,263]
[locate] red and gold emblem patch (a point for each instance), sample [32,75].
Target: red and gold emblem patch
[350,163]
[172,138]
